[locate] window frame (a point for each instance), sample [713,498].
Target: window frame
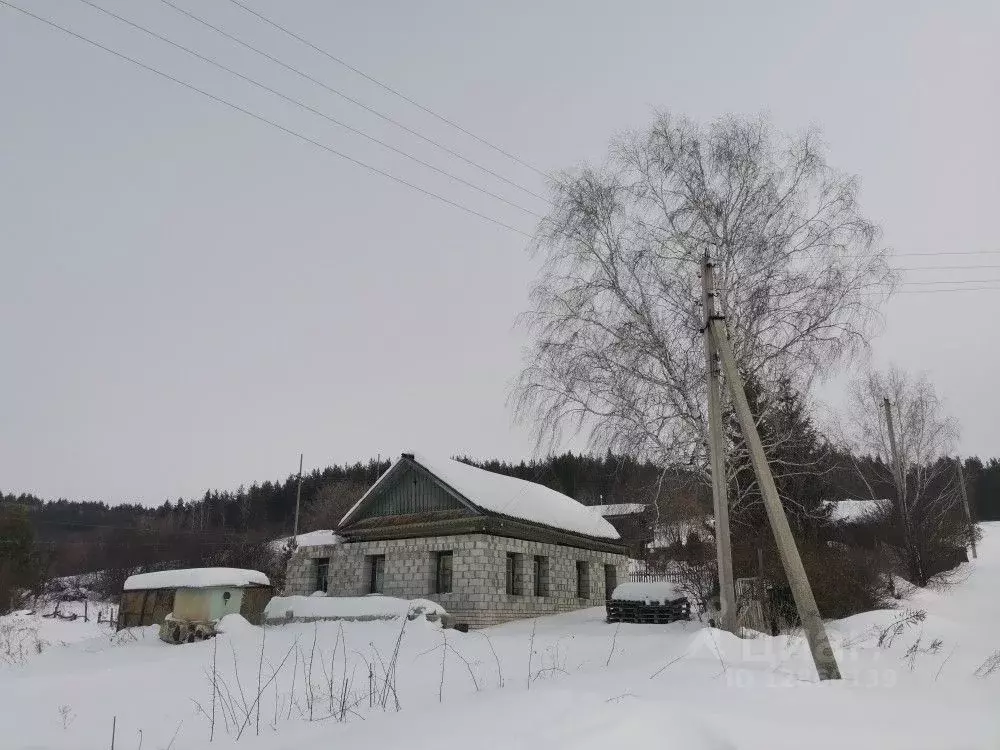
[610,576]
[322,574]
[376,573]
[514,575]
[582,579]
[444,572]
[540,564]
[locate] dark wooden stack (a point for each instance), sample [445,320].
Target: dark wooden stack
[638,611]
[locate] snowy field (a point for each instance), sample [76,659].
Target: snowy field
[564,682]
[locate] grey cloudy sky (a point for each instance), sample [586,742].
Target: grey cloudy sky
[189,297]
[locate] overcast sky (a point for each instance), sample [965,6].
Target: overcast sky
[189,297]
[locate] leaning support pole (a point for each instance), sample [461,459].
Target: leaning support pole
[805,603]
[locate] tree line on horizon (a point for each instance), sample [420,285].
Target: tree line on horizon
[81,536]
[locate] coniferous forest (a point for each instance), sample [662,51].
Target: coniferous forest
[75,536]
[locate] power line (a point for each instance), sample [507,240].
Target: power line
[940,268]
[352,100]
[957,252]
[950,281]
[358,162]
[266,121]
[305,106]
[386,86]
[959,289]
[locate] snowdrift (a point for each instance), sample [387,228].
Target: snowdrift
[320,607]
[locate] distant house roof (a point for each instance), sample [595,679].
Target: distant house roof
[618,509]
[195,578]
[852,511]
[497,494]
[319,538]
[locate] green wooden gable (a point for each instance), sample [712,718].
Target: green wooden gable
[411,491]
[410,502]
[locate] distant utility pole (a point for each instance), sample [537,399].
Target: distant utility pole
[897,461]
[899,474]
[805,603]
[965,504]
[298,500]
[720,500]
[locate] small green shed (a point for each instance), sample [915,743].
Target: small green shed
[193,594]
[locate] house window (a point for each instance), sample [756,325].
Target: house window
[376,573]
[541,575]
[442,575]
[582,579]
[514,574]
[610,580]
[322,574]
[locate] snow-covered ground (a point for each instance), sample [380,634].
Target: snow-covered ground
[561,683]
[28,633]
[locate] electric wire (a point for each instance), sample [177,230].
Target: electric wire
[307,107]
[352,100]
[264,120]
[385,86]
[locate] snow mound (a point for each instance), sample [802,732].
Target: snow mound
[650,592]
[196,578]
[634,723]
[509,496]
[233,623]
[374,607]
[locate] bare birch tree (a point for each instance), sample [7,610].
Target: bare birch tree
[929,526]
[616,349]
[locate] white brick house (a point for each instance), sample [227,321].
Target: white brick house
[488,547]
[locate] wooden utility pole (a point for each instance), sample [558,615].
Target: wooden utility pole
[720,500]
[965,504]
[298,500]
[900,475]
[805,603]
[897,460]
[765,604]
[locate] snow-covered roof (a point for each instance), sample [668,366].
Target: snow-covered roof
[650,592]
[319,538]
[508,496]
[196,578]
[617,509]
[667,534]
[850,511]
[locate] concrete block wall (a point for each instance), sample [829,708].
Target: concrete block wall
[300,575]
[479,574]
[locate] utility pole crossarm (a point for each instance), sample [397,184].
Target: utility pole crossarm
[805,603]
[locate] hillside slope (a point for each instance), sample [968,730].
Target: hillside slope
[569,681]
